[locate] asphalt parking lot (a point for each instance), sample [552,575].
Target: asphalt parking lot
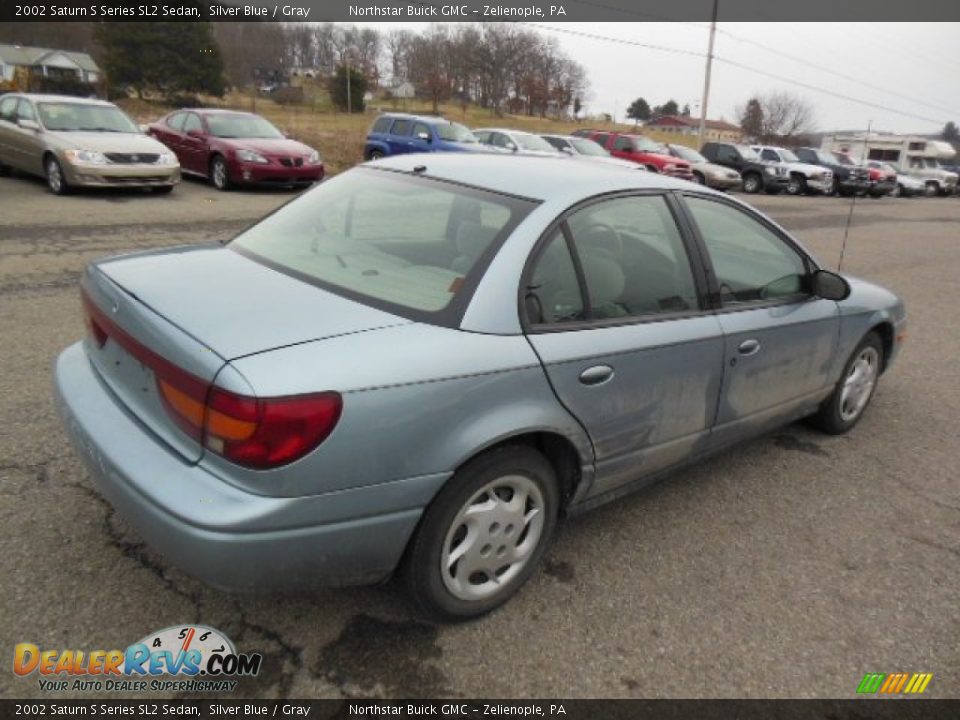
[786,567]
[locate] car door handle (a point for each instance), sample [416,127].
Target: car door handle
[596,375]
[749,347]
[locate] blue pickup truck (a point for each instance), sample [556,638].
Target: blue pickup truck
[395,134]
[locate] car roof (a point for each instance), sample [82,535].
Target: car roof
[213,111]
[43,97]
[430,119]
[540,177]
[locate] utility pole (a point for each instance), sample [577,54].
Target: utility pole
[706,77]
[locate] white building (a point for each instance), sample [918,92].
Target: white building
[47,62]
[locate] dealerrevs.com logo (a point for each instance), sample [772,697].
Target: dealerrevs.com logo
[181,658]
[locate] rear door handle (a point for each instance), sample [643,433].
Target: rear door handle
[749,347]
[596,375]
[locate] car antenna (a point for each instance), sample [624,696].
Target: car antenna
[853,204]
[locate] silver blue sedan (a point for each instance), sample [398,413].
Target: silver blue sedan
[421,364]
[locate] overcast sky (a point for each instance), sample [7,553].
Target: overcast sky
[909,67]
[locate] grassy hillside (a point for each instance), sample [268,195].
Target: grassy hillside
[339,137]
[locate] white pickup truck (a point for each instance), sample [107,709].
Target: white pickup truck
[804,178]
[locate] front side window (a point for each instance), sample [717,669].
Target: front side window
[401,127]
[455,132]
[601,139]
[768,154]
[750,261]
[407,244]
[192,123]
[239,125]
[622,143]
[421,131]
[25,111]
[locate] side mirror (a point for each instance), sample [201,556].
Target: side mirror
[28,124]
[829,286]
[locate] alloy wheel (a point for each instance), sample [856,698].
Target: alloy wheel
[219,174]
[492,537]
[859,384]
[54,176]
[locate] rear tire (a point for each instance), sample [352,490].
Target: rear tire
[483,535]
[375,155]
[752,183]
[850,398]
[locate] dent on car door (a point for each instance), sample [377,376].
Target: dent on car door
[779,341]
[614,314]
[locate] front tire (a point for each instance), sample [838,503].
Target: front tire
[483,535]
[850,398]
[797,185]
[699,179]
[56,180]
[220,173]
[375,155]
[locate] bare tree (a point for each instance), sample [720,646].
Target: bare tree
[777,116]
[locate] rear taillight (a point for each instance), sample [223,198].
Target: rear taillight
[254,432]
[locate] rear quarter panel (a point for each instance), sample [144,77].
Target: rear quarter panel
[417,400]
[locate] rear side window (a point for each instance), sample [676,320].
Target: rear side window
[413,246]
[553,293]
[25,111]
[381,125]
[8,109]
[558,143]
[601,139]
[622,143]
[401,127]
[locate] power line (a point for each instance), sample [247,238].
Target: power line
[741,66]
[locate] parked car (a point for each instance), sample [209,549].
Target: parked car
[469,349]
[585,149]
[883,178]
[758,174]
[399,133]
[704,171]
[643,150]
[937,180]
[236,148]
[505,140]
[73,142]
[951,166]
[847,179]
[907,186]
[803,177]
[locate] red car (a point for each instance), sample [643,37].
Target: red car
[234,148]
[644,151]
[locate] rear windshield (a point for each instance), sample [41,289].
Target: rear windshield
[455,132]
[409,245]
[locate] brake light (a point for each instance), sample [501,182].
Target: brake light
[258,433]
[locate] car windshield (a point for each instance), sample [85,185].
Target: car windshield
[688,154]
[411,245]
[80,117]
[646,144]
[788,155]
[587,147]
[843,159]
[241,126]
[527,141]
[824,158]
[455,132]
[748,153]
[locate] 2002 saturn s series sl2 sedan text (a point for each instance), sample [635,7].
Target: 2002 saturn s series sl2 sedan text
[423,362]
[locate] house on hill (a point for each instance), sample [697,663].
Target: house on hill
[24,68]
[685,125]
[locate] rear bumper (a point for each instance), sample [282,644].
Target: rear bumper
[256,174]
[223,535]
[81,175]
